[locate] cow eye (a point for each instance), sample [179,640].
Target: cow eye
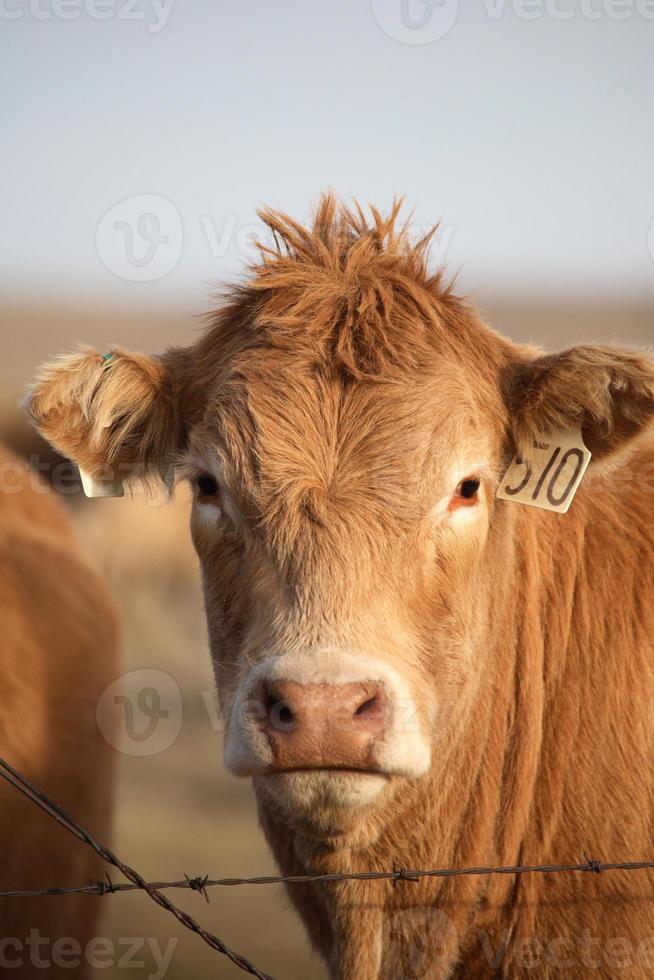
[207,486]
[468,489]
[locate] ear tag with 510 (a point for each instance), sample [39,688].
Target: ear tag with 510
[551,477]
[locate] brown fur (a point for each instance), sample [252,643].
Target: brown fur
[59,651]
[340,388]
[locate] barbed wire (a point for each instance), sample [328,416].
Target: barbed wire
[55,811]
[201,883]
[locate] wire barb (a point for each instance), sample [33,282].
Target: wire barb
[401,874]
[199,885]
[106,887]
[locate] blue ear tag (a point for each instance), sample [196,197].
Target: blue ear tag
[107,359]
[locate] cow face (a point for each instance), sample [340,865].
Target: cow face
[343,424]
[341,525]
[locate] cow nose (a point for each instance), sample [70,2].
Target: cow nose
[324,726]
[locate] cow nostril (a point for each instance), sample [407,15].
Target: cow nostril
[371,713]
[278,712]
[281,716]
[370,705]
[284,713]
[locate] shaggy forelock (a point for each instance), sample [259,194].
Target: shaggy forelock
[353,289]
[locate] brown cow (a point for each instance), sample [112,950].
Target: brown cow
[414,672]
[58,651]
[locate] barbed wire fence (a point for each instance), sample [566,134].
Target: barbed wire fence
[135,882]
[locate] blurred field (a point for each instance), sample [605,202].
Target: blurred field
[178,812]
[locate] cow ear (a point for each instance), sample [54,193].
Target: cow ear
[116,415]
[605,391]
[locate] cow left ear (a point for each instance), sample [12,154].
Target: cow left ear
[117,415]
[605,391]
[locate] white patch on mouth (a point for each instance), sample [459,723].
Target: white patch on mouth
[316,789]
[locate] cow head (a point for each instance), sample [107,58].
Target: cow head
[343,423]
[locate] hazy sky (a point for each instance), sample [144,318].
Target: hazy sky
[525,126]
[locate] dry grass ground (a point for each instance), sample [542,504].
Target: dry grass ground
[177,811]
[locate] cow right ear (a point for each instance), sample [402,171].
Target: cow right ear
[606,392]
[117,415]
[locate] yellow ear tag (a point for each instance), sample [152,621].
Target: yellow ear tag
[100,488]
[552,476]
